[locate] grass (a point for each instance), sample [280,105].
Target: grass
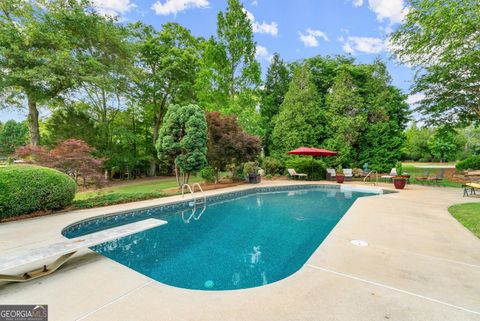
[128,192]
[469,215]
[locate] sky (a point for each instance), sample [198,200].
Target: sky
[295,29]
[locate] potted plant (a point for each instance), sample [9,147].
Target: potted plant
[400,180]
[339,175]
[250,171]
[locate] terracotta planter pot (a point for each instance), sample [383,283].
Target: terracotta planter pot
[399,183]
[340,178]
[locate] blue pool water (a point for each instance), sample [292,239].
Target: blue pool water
[237,243]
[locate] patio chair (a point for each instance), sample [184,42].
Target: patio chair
[437,179]
[389,177]
[348,172]
[424,176]
[296,175]
[331,174]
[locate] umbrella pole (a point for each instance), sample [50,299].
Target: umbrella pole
[311,168]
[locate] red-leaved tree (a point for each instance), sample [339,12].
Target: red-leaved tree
[228,143]
[72,156]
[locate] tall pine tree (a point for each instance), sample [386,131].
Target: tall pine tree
[276,86]
[300,118]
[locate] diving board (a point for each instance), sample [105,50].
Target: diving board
[66,249]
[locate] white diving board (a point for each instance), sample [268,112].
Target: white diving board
[65,249]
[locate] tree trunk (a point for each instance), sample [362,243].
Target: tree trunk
[33,126]
[156,128]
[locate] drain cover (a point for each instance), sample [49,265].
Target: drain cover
[208,284]
[359,242]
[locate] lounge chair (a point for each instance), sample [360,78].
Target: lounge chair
[389,177]
[296,175]
[424,176]
[437,179]
[348,173]
[331,174]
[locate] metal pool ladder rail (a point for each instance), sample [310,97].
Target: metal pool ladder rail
[369,175]
[195,202]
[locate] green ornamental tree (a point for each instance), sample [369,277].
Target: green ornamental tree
[183,140]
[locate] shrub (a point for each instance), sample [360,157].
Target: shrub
[28,188]
[272,165]
[208,174]
[116,198]
[472,162]
[317,170]
[250,168]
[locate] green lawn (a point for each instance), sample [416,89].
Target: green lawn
[469,215]
[128,192]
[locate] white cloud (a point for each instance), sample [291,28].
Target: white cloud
[391,10]
[413,100]
[263,27]
[175,6]
[113,7]
[310,38]
[254,3]
[364,44]
[357,3]
[262,52]
[347,48]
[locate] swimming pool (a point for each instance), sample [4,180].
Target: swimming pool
[242,240]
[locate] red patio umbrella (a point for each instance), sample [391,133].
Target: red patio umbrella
[311,151]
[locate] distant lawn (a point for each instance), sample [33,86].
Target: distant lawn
[414,171]
[469,215]
[128,192]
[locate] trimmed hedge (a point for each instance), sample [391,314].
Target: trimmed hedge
[472,162]
[27,188]
[315,170]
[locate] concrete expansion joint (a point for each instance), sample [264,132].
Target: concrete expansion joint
[83,317]
[393,288]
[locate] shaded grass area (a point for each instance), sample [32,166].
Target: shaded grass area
[469,215]
[432,172]
[128,192]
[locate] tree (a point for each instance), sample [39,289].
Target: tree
[416,145]
[73,157]
[300,118]
[345,110]
[228,143]
[183,139]
[168,63]
[70,121]
[12,135]
[387,114]
[44,51]
[272,95]
[444,144]
[235,36]
[440,38]
[229,77]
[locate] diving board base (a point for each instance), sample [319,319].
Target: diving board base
[45,270]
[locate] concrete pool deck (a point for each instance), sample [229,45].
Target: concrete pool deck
[420,264]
